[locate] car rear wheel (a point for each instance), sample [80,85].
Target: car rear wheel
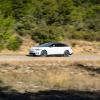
[44,53]
[66,53]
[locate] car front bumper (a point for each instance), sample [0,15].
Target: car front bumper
[34,52]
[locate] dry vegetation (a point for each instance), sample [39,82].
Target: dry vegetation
[85,47]
[31,76]
[79,47]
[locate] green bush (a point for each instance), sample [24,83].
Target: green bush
[1,47]
[4,38]
[25,26]
[92,36]
[14,43]
[89,36]
[48,33]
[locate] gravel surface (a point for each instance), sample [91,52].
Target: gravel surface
[8,58]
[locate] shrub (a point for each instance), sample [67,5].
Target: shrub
[25,26]
[1,47]
[14,43]
[48,33]
[89,36]
[92,36]
[4,37]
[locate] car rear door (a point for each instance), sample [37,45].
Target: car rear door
[61,48]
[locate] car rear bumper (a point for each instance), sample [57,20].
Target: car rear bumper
[71,53]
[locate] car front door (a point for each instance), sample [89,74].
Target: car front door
[52,50]
[55,49]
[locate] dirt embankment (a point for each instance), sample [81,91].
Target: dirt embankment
[50,80]
[32,76]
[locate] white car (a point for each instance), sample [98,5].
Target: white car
[51,48]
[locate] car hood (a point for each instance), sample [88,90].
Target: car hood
[36,48]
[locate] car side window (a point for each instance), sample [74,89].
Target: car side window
[60,45]
[53,45]
[57,45]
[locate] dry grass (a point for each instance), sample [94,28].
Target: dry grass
[77,82]
[59,80]
[30,76]
[84,47]
[73,78]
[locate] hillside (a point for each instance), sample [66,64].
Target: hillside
[48,20]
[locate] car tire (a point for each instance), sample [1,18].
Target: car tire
[66,53]
[43,53]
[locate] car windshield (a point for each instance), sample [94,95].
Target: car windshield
[45,45]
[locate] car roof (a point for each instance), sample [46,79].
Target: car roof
[55,43]
[50,43]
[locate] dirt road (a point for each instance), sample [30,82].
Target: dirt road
[8,58]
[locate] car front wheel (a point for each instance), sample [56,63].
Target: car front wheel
[44,53]
[66,53]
